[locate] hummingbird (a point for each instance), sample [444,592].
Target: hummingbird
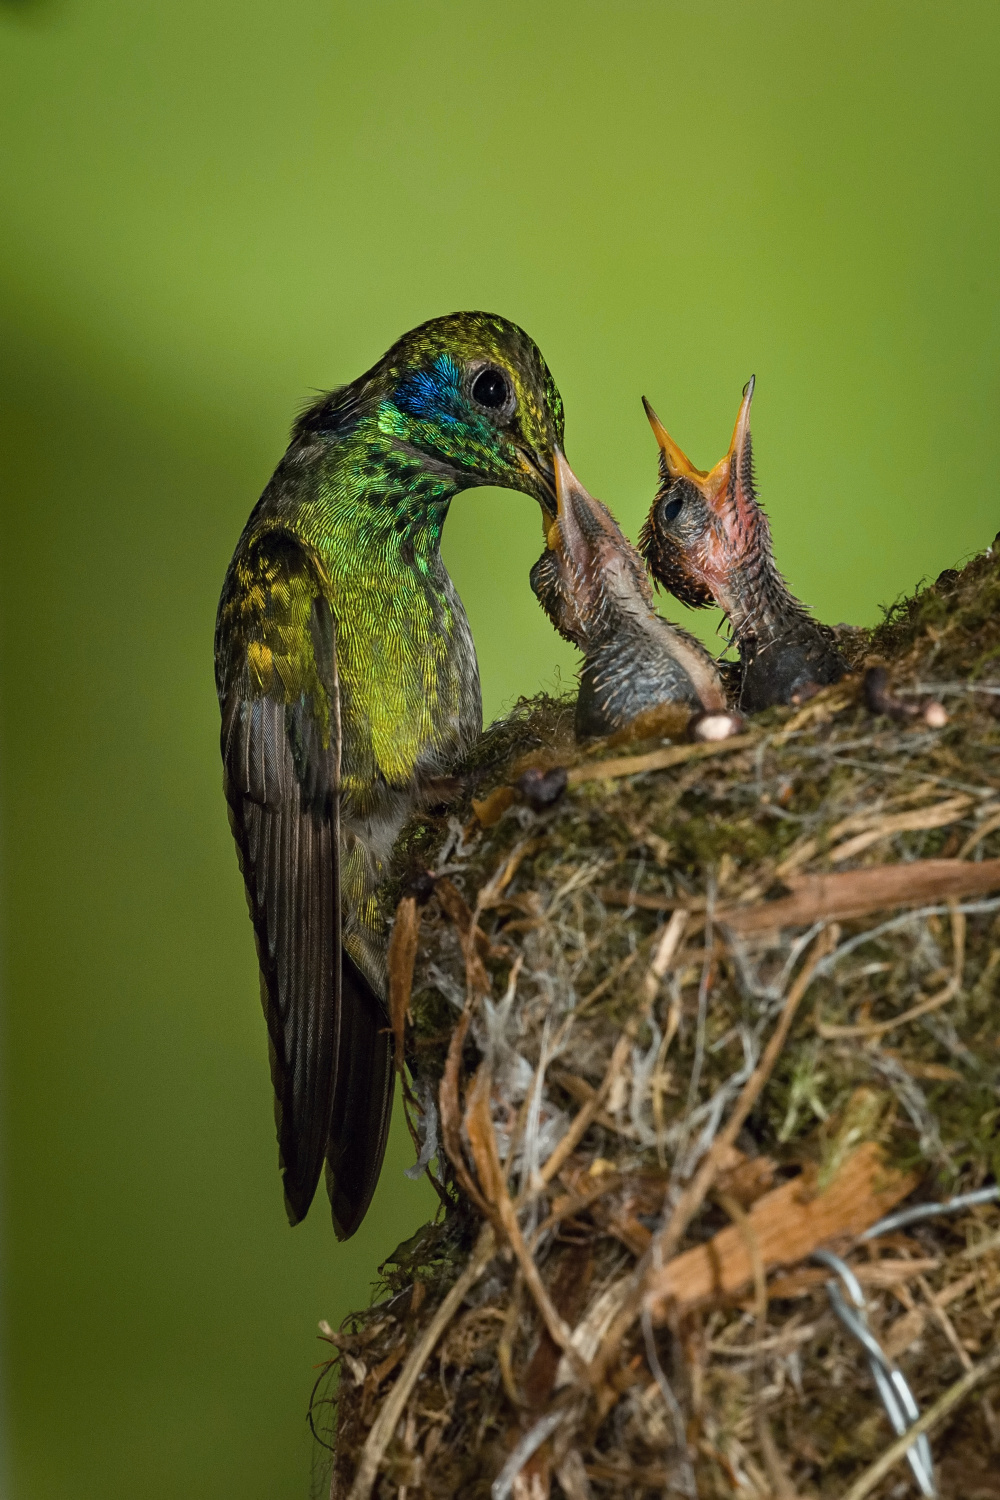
[592,584]
[708,540]
[349,687]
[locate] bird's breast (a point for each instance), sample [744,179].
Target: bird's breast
[409,685]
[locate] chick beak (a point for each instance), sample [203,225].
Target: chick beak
[679,466]
[581,522]
[566,485]
[566,481]
[716,484]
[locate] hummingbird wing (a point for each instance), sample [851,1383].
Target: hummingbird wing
[276,673]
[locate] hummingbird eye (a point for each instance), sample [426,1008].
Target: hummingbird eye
[491,388]
[671,509]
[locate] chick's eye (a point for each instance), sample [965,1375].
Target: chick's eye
[491,388]
[671,509]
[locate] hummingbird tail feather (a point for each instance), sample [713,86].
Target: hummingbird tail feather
[362,1102]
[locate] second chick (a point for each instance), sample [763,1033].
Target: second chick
[708,540]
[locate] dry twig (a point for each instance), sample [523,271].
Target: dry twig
[857,893]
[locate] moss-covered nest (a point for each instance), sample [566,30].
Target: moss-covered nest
[676,1016]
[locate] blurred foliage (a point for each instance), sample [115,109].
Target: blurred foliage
[207,211]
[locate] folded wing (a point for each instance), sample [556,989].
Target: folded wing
[276,673]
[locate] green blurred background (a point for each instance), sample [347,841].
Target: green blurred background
[208,209]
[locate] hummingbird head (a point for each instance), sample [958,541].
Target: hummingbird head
[472,393]
[704,526]
[468,396]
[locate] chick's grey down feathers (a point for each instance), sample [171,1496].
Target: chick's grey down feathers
[707,540]
[592,584]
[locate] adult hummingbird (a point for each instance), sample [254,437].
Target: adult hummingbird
[708,540]
[348,684]
[592,584]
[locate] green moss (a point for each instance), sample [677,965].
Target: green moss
[706,833]
[950,622]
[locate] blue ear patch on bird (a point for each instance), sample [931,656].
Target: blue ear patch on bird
[436,392]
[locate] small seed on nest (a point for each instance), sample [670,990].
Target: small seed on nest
[542,789]
[714,726]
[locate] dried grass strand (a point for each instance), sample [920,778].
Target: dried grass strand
[448,1100]
[656,760]
[528,1445]
[402,955]
[780,1482]
[934,1002]
[976,837]
[505,1346]
[384,1425]
[584,1118]
[931,1418]
[859,893]
[482,1136]
[668,1238]
[830,1032]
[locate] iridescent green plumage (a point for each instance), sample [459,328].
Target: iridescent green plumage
[348,682]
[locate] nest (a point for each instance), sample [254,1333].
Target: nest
[677,1017]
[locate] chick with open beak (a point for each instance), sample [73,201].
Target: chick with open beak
[708,540]
[592,585]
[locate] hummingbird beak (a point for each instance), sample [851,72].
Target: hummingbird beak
[544,488]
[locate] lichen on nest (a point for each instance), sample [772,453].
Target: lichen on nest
[713,1008]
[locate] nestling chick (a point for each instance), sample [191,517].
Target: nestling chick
[592,585]
[708,540]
